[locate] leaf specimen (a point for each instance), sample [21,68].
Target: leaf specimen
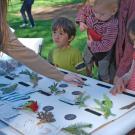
[54,89]
[3,85]
[29,105]
[80,100]
[77,129]
[34,78]
[105,106]
[9,89]
[45,117]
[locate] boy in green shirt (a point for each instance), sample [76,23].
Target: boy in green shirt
[64,55]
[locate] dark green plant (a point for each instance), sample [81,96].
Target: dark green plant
[9,89]
[105,106]
[77,129]
[80,100]
[34,78]
[55,90]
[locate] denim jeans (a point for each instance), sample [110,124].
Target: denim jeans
[26,8]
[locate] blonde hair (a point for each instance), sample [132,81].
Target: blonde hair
[4,35]
[97,2]
[111,5]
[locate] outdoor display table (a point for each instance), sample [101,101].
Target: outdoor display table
[32,43]
[63,107]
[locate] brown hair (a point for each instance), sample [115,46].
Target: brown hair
[4,36]
[67,25]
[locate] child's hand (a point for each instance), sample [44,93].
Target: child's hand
[89,43]
[119,87]
[83,26]
[90,38]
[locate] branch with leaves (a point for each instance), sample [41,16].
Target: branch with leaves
[77,129]
[54,89]
[34,78]
[105,106]
[80,99]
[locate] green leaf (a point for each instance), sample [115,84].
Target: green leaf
[3,85]
[80,100]
[105,106]
[77,129]
[9,89]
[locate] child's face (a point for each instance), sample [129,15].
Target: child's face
[102,13]
[60,38]
[132,38]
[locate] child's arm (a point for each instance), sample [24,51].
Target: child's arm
[122,82]
[108,38]
[82,16]
[83,26]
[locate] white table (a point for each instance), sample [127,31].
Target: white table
[118,127]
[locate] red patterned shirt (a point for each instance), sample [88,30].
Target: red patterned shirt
[108,29]
[131,84]
[124,49]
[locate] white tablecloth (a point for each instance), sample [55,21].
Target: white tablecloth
[32,43]
[118,127]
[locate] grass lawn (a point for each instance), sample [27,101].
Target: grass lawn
[43,27]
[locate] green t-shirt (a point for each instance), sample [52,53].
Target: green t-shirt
[66,58]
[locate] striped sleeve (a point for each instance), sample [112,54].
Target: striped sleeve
[83,14]
[108,38]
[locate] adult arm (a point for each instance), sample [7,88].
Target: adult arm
[122,82]
[124,55]
[28,57]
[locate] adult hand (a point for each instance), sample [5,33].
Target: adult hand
[119,87]
[83,26]
[73,79]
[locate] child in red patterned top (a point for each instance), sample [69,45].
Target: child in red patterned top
[127,80]
[101,24]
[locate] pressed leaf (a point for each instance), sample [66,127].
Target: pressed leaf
[77,129]
[105,106]
[9,89]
